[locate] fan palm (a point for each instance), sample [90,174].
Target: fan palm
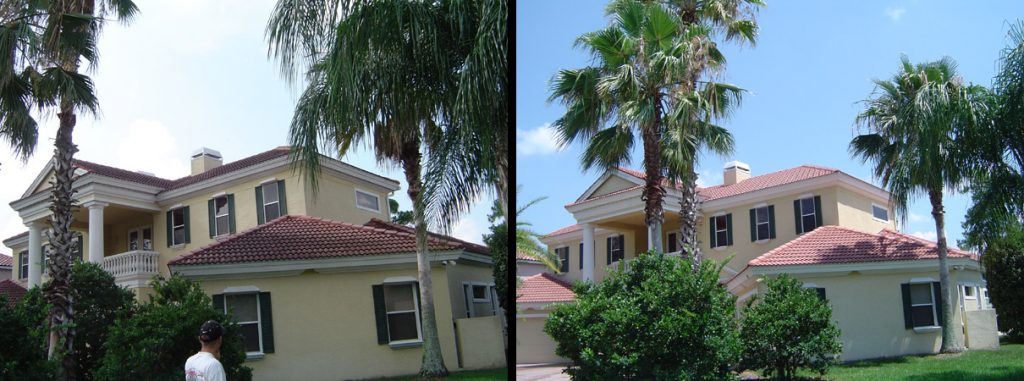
[527,241]
[915,125]
[42,45]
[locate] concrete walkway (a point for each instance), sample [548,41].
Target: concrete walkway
[541,372]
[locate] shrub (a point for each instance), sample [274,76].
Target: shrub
[790,328]
[154,343]
[22,341]
[661,320]
[1004,273]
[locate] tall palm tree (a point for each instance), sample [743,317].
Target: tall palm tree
[638,61]
[915,125]
[527,241]
[42,45]
[374,77]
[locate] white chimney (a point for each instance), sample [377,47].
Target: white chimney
[735,171]
[205,159]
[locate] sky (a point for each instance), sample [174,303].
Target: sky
[813,64]
[187,74]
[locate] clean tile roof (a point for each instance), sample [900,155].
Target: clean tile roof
[6,260]
[835,244]
[543,288]
[11,291]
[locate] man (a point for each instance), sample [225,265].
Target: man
[203,366]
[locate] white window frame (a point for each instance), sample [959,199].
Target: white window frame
[983,301]
[715,228]
[23,264]
[416,308]
[803,213]
[142,244]
[935,312]
[568,254]
[622,247]
[974,290]
[226,214]
[259,320]
[368,193]
[873,206]
[263,189]
[175,227]
[757,224]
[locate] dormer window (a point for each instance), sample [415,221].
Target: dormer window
[367,201]
[880,213]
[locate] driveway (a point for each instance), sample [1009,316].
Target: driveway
[541,372]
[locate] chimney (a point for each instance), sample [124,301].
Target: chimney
[205,159]
[735,171]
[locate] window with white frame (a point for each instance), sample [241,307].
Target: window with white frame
[140,239]
[178,226]
[922,305]
[563,259]
[986,303]
[762,225]
[245,310]
[808,218]
[367,201]
[969,292]
[23,264]
[403,313]
[720,224]
[271,201]
[880,213]
[221,216]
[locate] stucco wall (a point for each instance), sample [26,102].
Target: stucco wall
[601,268]
[855,212]
[533,346]
[461,273]
[981,329]
[614,183]
[480,342]
[336,200]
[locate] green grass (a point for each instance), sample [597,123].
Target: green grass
[469,375]
[1003,364]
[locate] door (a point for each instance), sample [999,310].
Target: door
[140,239]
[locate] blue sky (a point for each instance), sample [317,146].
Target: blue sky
[813,64]
[187,74]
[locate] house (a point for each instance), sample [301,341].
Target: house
[828,229]
[6,264]
[528,266]
[322,283]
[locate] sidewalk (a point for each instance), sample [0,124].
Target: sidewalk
[541,372]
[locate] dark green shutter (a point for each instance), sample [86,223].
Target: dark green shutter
[260,218]
[608,250]
[581,255]
[771,221]
[753,225]
[821,293]
[817,211]
[622,247]
[380,310]
[908,320]
[213,215]
[218,302]
[188,236]
[281,198]
[79,244]
[266,322]
[170,230]
[937,291]
[728,229]
[231,213]
[711,224]
[796,216]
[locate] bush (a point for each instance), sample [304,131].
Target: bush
[22,342]
[791,328]
[154,343]
[1004,273]
[661,320]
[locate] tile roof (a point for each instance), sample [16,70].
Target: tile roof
[469,246]
[166,184]
[835,244]
[302,237]
[520,256]
[122,174]
[11,291]
[564,230]
[6,260]
[765,181]
[542,288]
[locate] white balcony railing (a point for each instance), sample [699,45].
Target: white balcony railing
[133,268]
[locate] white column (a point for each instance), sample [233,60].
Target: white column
[35,253]
[588,252]
[95,231]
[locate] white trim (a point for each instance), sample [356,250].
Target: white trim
[760,205]
[888,214]
[259,320]
[216,225]
[604,178]
[267,181]
[746,295]
[525,316]
[416,314]
[810,285]
[184,226]
[757,224]
[922,280]
[218,194]
[806,195]
[328,265]
[375,195]
[880,266]
[927,329]
[240,289]
[141,230]
[399,279]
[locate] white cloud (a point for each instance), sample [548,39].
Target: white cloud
[468,229]
[537,141]
[928,235]
[895,13]
[708,178]
[149,146]
[914,217]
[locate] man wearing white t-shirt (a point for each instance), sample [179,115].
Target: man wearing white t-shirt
[203,366]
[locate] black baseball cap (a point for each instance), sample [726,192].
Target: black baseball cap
[210,331]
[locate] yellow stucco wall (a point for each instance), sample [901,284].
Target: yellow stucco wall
[462,273]
[480,342]
[601,268]
[533,346]
[855,212]
[336,200]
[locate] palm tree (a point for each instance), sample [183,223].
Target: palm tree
[42,45]
[915,126]
[375,77]
[639,60]
[527,241]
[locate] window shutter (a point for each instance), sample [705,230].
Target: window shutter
[771,221]
[817,211]
[563,260]
[188,237]
[170,230]
[78,245]
[218,302]
[231,213]
[608,247]
[753,225]
[728,229]
[796,216]
[937,291]
[379,309]
[821,293]
[266,322]
[581,255]
[711,224]
[908,321]
[210,206]
[673,242]
[260,218]
[282,200]
[622,248]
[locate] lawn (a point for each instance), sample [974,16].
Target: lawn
[1006,363]
[469,375]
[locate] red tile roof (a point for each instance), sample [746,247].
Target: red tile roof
[6,260]
[564,230]
[765,181]
[543,288]
[620,191]
[11,291]
[122,174]
[835,244]
[301,237]
[136,177]
[523,257]
[469,246]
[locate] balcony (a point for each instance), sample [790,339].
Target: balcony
[134,268]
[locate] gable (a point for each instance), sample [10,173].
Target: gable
[611,184]
[46,183]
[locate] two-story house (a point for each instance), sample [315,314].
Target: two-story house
[831,230]
[322,283]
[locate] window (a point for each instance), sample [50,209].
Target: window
[402,310]
[923,311]
[986,302]
[140,239]
[616,251]
[480,293]
[581,255]
[221,216]
[270,201]
[969,292]
[245,310]
[178,228]
[721,230]
[673,244]
[367,201]
[563,259]
[807,212]
[480,299]
[762,223]
[23,265]
[880,213]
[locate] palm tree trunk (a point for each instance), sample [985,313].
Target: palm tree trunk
[502,183]
[950,343]
[689,218]
[58,290]
[654,192]
[433,360]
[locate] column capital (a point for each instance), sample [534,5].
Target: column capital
[35,224]
[95,204]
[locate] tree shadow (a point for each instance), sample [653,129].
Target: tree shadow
[1005,373]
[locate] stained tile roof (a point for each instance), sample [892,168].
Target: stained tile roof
[302,237]
[469,246]
[523,257]
[765,181]
[11,291]
[564,230]
[6,260]
[543,288]
[835,244]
